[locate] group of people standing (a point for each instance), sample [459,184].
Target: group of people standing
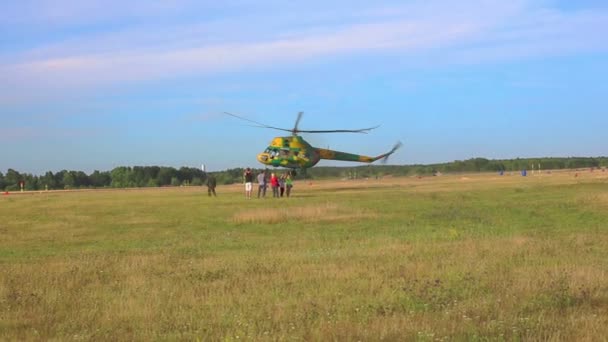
[280,184]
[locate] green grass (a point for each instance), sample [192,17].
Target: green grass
[442,258]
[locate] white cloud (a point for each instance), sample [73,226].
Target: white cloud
[482,31]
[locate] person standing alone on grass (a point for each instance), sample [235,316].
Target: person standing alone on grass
[211,183]
[262,184]
[248,179]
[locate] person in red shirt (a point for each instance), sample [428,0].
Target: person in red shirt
[274,183]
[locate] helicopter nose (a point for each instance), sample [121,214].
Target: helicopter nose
[263,158]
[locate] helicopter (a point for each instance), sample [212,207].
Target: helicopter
[296,153]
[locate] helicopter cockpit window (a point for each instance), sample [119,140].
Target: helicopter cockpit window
[272,152]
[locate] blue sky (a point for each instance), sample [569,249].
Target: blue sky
[97,84]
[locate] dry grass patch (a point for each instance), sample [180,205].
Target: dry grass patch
[328,212]
[602,199]
[594,201]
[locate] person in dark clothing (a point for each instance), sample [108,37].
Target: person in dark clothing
[281,185]
[211,183]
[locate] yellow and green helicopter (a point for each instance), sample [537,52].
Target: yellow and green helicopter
[295,153]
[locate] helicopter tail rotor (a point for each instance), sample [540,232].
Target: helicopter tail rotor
[386,155]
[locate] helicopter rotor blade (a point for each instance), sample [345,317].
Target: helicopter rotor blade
[295,130]
[362,130]
[295,127]
[257,124]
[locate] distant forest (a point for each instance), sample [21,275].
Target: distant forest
[157,176]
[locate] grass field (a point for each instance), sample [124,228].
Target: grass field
[467,257]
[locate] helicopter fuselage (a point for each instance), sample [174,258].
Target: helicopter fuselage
[290,152]
[295,153]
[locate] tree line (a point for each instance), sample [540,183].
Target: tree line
[158,176]
[119,177]
[460,166]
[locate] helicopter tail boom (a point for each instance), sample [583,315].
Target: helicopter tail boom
[336,155]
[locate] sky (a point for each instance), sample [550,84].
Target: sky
[91,85]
